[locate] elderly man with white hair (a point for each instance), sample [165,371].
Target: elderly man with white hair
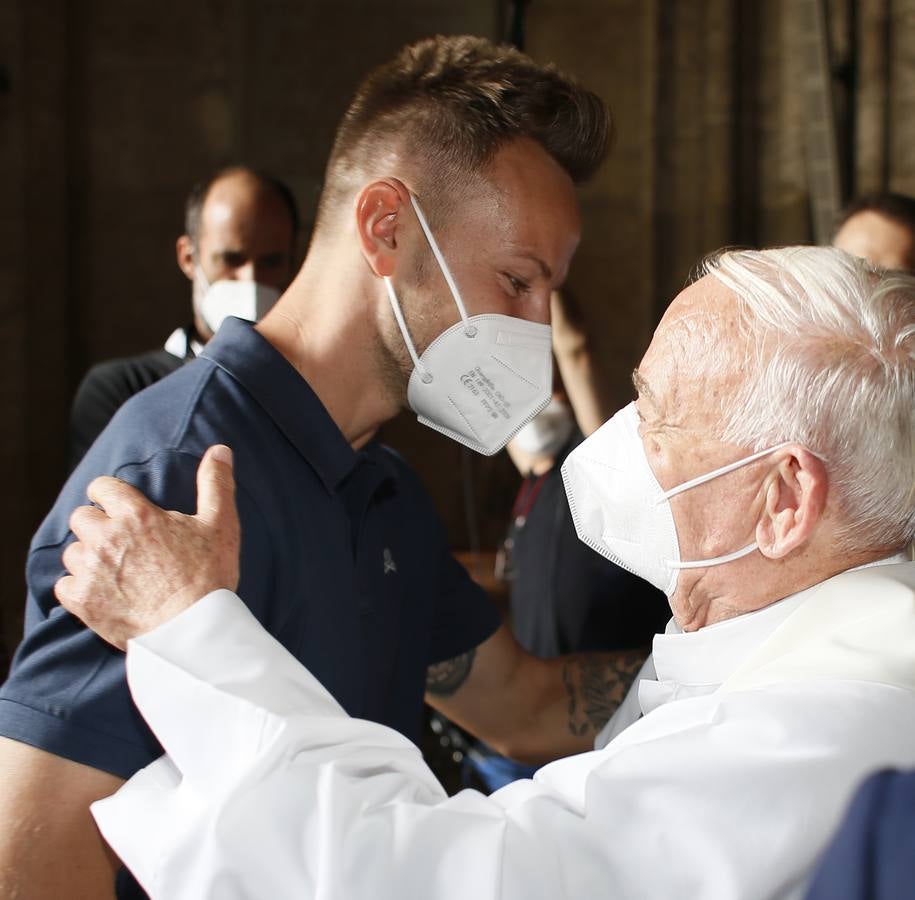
[763,478]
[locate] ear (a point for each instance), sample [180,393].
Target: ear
[380,210]
[184,252]
[795,499]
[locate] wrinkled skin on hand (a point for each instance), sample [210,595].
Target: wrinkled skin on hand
[134,566]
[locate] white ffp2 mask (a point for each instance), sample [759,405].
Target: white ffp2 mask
[483,378]
[621,511]
[244,299]
[546,434]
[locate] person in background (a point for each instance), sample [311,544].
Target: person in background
[564,597]
[238,253]
[871,856]
[881,229]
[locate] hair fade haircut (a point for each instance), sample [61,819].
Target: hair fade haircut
[453,102]
[193,206]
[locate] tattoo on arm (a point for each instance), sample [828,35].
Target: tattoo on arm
[596,684]
[444,678]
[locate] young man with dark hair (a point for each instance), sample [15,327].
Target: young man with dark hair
[343,558]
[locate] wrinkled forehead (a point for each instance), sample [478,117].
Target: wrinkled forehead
[693,360]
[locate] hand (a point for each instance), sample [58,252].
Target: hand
[134,566]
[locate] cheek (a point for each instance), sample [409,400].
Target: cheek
[660,458]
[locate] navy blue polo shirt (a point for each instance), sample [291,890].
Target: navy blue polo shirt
[343,557]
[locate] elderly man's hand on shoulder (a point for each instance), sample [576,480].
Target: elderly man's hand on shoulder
[135,566]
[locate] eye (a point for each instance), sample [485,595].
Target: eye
[273,260]
[518,285]
[233,260]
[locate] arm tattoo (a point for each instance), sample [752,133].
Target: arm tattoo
[444,678]
[596,684]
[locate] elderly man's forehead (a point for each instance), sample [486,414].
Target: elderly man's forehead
[706,300]
[691,356]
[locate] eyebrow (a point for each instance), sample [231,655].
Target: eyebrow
[544,268]
[641,386]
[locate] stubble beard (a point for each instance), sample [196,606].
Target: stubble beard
[419,311]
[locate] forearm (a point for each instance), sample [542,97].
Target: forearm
[575,359]
[551,708]
[49,845]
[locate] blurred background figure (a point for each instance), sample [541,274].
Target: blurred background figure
[237,251]
[870,858]
[880,228]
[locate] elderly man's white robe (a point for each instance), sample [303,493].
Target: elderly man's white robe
[755,735]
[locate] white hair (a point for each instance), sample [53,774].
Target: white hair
[830,364]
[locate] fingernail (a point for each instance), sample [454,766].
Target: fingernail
[221,453]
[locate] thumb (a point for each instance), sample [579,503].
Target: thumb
[216,487]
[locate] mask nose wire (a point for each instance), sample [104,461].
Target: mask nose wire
[469,330]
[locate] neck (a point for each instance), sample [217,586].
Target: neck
[715,594]
[529,463]
[325,325]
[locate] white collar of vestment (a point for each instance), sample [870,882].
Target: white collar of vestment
[696,663]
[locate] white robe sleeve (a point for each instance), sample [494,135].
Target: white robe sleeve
[270,790]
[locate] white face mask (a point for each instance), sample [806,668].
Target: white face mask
[482,379]
[244,299]
[620,510]
[547,432]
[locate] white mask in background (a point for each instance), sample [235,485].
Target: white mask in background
[620,510]
[244,299]
[482,379]
[547,433]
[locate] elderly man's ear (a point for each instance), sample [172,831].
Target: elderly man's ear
[795,500]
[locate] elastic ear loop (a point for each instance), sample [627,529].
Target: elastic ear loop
[425,375]
[702,479]
[469,330]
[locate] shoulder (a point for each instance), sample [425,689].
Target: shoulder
[129,374]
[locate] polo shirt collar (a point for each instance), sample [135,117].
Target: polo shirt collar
[242,352]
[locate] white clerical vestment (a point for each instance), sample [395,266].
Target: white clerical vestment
[755,733]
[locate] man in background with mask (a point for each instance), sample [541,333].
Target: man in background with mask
[762,479]
[237,250]
[449,215]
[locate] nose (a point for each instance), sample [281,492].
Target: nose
[535,308]
[245,272]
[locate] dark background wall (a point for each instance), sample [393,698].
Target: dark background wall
[109,110]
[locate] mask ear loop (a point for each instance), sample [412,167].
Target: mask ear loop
[425,375]
[469,330]
[702,479]
[199,273]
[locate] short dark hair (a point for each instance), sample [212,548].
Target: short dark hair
[897,207]
[454,101]
[193,206]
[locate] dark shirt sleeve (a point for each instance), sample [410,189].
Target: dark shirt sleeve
[67,691]
[872,855]
[105,389]
[464,615]
[99,396]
